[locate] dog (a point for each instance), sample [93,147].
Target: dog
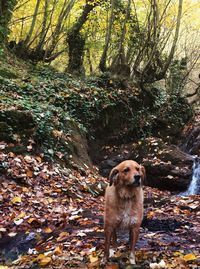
[124,204]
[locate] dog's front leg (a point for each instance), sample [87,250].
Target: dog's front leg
[133,236]
[108,234]
[114,238]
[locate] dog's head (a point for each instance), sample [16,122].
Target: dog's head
[128,173]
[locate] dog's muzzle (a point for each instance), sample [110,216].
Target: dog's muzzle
[136,181]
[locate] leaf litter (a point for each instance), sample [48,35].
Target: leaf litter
[52,217]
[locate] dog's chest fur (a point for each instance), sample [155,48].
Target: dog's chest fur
[127,216]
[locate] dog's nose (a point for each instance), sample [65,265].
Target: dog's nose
[137,178]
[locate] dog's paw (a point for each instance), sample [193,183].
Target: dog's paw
[111,252]
[103,261]
[132,258]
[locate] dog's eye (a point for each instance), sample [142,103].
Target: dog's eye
[127,169]
[137,168]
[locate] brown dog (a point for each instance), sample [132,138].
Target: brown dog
[124,204]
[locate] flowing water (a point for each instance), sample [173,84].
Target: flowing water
[194,187]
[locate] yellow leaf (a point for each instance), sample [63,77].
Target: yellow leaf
[21,215]
[48,230]
[16,200]
[4,267]
[93,257]
[62,236]
[40,257]
[177,253]
[38,159]
[45,261]
[189,257]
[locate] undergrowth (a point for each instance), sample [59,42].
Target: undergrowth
[96,104]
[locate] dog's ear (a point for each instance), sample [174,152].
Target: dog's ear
[143,174]
[113,176]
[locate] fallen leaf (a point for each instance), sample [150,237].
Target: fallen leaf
[93,257]
[45,261]
[189,257]
[58,250]
[48,230]
[62,236]
[16,200]
[112,266]
[29,173]
[28,159]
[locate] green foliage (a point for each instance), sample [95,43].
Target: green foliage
[58,102]
[177,76]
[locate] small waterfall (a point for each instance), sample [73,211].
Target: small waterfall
[194,187]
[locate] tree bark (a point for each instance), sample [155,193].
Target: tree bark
[28,37]
[59,26]
[119,65]
[6,9]
[102,64]
[172,51]
[76,42]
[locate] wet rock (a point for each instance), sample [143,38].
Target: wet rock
[162,224]
[191,138]
[12,247]
[107,165]
[167,167]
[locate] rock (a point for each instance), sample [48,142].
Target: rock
[67,145]
[191,137]
[107,165]
[167,167]
[16,123]
[5,132]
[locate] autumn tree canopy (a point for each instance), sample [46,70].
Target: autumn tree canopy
[133,39]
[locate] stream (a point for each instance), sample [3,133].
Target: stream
[194,187]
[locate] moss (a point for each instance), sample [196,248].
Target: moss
[5,73]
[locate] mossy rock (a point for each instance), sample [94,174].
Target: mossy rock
[5,132]
[18,120]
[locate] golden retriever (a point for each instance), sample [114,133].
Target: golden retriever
[124,204]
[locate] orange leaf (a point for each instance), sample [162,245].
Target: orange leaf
[58,250]
[112,266]
[29,173]
[189,257]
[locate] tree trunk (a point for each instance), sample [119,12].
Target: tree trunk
[172,51]
[28,37]
[119,65]
[102,64]
[59,26]
[76,42]
[6,9]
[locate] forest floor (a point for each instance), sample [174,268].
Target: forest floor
[52,217]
